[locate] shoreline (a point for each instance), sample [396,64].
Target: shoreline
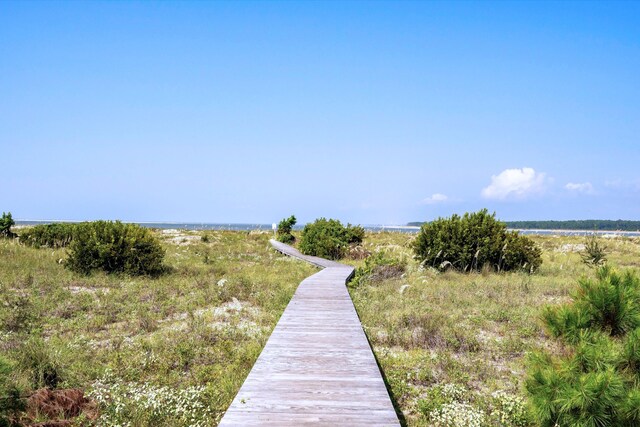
[370,227]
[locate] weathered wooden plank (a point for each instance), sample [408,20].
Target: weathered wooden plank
[288,418]
[317,367]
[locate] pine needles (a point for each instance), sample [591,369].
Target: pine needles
[596,383]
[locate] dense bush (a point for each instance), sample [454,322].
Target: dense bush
[115,247]
[284,230]
[595,382]
[474,241]
[328,238]
[355,234]
[56,235]
[6,222]
[519,252]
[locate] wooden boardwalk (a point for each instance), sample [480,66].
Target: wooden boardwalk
[317,366]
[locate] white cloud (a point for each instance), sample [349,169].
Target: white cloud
[515,183]
[580,187]
[435,199]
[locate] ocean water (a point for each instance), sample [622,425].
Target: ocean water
[604,233]
[232,226]
[395,228]
[266,227]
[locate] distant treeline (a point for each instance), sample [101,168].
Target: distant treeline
[584,224]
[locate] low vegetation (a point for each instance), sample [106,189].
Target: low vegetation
[108,246]
[168,350]
[11,403]
[379,266]
[56,235]
[172,350]
[474,242]
[285,227]
[454,347]
[328,238]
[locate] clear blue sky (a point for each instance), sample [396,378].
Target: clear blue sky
[369,112]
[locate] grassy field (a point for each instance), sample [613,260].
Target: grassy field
[174,350]
[168,351]
[454,345]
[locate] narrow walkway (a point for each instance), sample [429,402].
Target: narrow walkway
[317,366]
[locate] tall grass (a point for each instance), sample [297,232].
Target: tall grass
[196,330]
[431,329]
[452,346]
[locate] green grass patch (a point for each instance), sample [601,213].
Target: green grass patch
[433,331]
[174,350]
[136,343]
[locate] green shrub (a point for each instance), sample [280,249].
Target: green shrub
[473,241]
[594,253]
[355,234]
[115,247]
[284,230]
[595,382]
[379,266]
[520,252]
[328,238]
[6,222]
[610,305]
[56,235]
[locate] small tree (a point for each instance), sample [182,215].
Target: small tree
[594,253]
[284,230]
[595,382]
[6,222]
